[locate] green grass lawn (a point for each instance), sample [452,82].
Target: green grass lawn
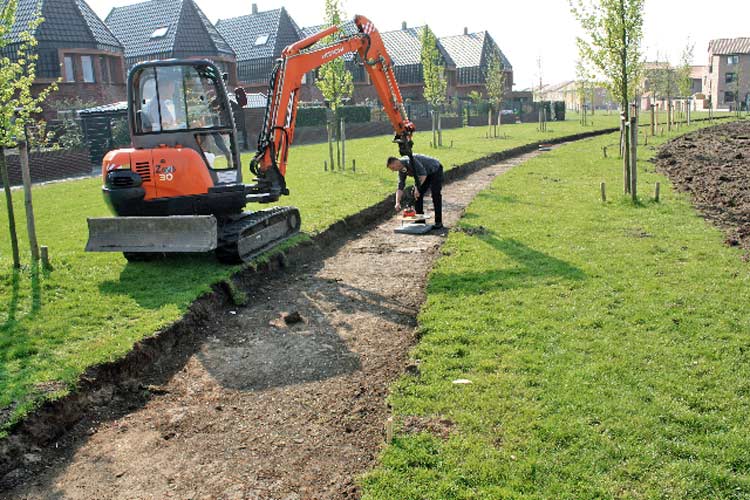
[92,307]
[608,346]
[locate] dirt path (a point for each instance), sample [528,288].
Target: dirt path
[264,409]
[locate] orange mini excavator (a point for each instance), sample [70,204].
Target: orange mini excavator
[179,187]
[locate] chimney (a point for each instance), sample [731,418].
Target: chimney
[466,30]
[255,8]
[403,25]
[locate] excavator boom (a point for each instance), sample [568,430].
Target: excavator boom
[277,133]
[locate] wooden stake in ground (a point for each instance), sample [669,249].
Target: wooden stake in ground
[634,152]
[44,254]
[440,129]
[657,188]
[625,152]
[11,216]
[343,144]
[329,130]
[23,149]
[604,192]
[653,118]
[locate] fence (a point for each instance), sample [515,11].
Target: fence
[50,165]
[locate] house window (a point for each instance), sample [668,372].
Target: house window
[160,32]
[261,40]
[730,77]
[70,70]
[731,60]
[87,66]
[104,67]
[728,96]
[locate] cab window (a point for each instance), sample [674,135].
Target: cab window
[173,98]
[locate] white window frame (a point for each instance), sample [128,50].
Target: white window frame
[87,69]
[262,39]
[69,68]
[733,60]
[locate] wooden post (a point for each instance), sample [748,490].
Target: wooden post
[9,203]
[653,120]
[343,144]
[329,130]
[354,165]
[657,189]
[45,256]
[440,129]
[604,151]
[23,150]
[389,430]
[325,165]
[625,152]
[634,152]
[604,192]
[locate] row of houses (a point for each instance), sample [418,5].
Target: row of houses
[91,56]
[723,84]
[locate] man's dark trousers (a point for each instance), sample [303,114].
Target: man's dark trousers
[435,182]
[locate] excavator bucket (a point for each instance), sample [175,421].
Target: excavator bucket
[175,233]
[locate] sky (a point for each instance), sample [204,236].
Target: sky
[527,31]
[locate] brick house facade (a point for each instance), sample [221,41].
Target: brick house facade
[74,47]
[728,80]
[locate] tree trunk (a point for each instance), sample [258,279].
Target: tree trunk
[23,150]
[489,121]
[11,215]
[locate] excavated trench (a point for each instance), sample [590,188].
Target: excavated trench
[281,399]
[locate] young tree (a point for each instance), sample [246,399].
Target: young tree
[17,103]
[334,80]
[433,73]
[582,86]
[684,81]
[663,82]
[614,31]
[495,81]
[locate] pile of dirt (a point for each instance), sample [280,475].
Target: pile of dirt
[713,165]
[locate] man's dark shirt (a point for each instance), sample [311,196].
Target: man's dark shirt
[424,166]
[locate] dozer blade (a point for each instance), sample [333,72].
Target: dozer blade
[175,233]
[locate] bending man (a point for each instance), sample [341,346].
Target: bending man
[428,175]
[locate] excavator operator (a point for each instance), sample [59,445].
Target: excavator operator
[428,174]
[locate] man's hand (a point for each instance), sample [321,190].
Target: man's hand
[416,193]
[398,207]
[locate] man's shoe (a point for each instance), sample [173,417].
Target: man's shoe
[437,226]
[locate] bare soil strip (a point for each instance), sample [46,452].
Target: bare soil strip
[712,165]
[270,404]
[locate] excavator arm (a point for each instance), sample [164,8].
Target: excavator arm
[277,133]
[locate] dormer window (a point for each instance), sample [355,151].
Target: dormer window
[261,40]
[159,32]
